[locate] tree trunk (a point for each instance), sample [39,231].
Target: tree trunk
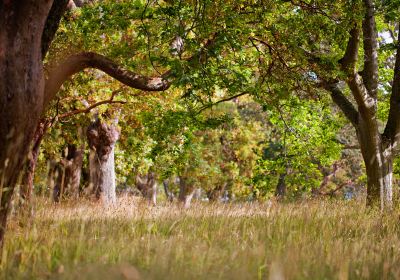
[102,137]
[216,193]
[377,155]
[186,192]
[280,191]
[30,167]
[68,174]
[168,193]
[21,88]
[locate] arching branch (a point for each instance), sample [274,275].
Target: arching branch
[342,102]
[76,63]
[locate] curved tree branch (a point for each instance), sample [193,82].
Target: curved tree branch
[76,63]
[349,60]
[91,107]
[57,10]
[343,103]
[392,129]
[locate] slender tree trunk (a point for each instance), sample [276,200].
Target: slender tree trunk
[186,192]
[26,189]
[102,137]
[280,191]
[168,193]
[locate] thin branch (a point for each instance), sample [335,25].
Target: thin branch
[221,101]
[88,109]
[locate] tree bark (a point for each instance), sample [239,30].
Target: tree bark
[280,191]
[378,159]
[26,189]
[21,87]
[169,195]
[68,174]
[102,137]
[186,192]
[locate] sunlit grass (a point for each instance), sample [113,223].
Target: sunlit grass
[308,240]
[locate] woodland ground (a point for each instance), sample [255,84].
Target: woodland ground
[308,240]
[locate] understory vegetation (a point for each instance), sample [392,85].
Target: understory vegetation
[311,239]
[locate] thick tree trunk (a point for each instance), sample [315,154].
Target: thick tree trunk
[186,192]
[102,137]
[21,88]
[377,155]
[379,169]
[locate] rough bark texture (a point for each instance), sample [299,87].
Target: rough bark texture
[186,192]
[21,87]
[376,148]
[147,185]
[102,137]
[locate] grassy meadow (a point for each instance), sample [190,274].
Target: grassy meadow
[317,239]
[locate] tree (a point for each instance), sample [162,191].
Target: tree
[378,148]
[324,52]
[28,28]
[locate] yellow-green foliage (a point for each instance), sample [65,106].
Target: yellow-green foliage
[308,240]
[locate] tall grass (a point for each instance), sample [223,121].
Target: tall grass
[308,240]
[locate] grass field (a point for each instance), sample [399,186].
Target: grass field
[308,240]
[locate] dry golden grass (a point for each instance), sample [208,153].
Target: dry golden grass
[307,240]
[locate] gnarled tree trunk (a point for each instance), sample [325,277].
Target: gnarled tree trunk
[102,137]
